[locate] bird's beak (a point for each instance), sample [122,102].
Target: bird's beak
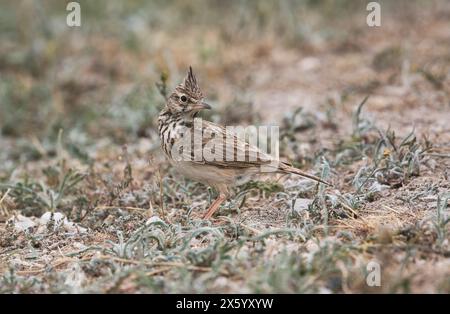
[201,106]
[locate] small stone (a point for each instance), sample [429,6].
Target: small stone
[22,223]
[60,220]
[152,220]
[301,204]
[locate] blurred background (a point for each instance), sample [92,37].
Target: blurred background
[254,59]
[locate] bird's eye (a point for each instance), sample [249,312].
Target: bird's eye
[183,98]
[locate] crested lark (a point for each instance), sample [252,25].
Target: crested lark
[176,120]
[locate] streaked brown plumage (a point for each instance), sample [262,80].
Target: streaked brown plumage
[178,117]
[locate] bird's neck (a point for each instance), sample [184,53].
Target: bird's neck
[166,116]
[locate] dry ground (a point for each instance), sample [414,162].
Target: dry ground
[78,137]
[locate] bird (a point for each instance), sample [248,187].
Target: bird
[177,122]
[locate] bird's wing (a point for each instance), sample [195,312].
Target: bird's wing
[221,148]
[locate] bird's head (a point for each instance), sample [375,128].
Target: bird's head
[187,98]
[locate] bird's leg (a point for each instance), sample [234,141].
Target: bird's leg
[214,206]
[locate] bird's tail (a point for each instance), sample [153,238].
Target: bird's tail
[289,169]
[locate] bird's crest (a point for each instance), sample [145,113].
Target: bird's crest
[190,85]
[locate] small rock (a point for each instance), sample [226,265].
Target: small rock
[79,246]
[324,290]
[22,223]
[301,204]
[309,63]
[57,217]
[60,221]
[152,220]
